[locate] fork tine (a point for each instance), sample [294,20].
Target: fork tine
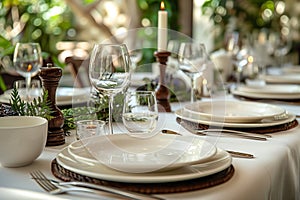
[43,181]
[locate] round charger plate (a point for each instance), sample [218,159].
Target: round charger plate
[233,111]
[220,161]
[181,113]
[141,155]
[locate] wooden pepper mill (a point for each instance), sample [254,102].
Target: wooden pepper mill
[50,77]
[162,92]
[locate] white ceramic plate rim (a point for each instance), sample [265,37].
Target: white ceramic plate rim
[272,89]
[81,97]
[140,155]
[266,96]
[180,113]
[219,162]
[241,111]
[283,78]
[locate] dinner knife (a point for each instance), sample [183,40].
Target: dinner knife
[216,132]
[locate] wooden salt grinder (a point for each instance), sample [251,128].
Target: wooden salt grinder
[50,77]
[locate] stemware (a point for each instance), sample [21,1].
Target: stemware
[192,60]
[27,61]
[109,72]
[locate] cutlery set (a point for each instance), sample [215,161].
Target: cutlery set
[56,187]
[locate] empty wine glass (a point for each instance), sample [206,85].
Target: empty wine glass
[109,71]
[140,112]
[27,61]
[192,60]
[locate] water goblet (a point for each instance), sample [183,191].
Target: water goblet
[109,72]
[27,61]
[192,61]
[140,112]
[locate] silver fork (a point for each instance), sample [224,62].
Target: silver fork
[52,187]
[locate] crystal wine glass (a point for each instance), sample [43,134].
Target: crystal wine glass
[27,61]
[192,60]
[109,71]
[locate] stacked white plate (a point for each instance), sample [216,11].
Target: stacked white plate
[269,91]
[235,114]
[289,78]
[161,158]
[64,95]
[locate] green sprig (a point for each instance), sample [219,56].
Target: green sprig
[40,106]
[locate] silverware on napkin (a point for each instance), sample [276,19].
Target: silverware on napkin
[232,153]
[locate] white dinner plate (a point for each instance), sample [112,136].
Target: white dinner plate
[256,95]
[233,111]
[64,96]
[181,113]
[145,154]
[283,78]
[220,161]
[278,89]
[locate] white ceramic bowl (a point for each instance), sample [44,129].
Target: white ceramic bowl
[22,139]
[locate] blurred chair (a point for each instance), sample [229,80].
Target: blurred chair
[79,70]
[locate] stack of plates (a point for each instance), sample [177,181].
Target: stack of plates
[161,158]
[269,91]
[64,95]
[235,114]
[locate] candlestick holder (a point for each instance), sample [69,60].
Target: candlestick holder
[50,77]
[162,92]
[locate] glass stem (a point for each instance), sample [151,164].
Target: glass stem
[27,81]
[110,114]
[192,89]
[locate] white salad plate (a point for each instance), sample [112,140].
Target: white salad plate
[183,114]
[220,161]
[233,111]
[130,154]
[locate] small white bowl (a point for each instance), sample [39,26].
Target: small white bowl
[22,139]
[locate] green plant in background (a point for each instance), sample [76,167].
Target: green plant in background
[244,16]
[43,21]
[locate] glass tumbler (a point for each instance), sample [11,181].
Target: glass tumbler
[140,112]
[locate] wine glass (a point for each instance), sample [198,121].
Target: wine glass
[109,71]
[27,61]
[192,60]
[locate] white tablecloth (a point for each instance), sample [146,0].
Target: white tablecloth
[273,174]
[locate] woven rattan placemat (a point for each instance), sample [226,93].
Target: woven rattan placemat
[148,188]
[262,130]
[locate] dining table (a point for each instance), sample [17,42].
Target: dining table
[273,173]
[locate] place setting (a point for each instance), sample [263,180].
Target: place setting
[140,158]
[240,118]
[284,92]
